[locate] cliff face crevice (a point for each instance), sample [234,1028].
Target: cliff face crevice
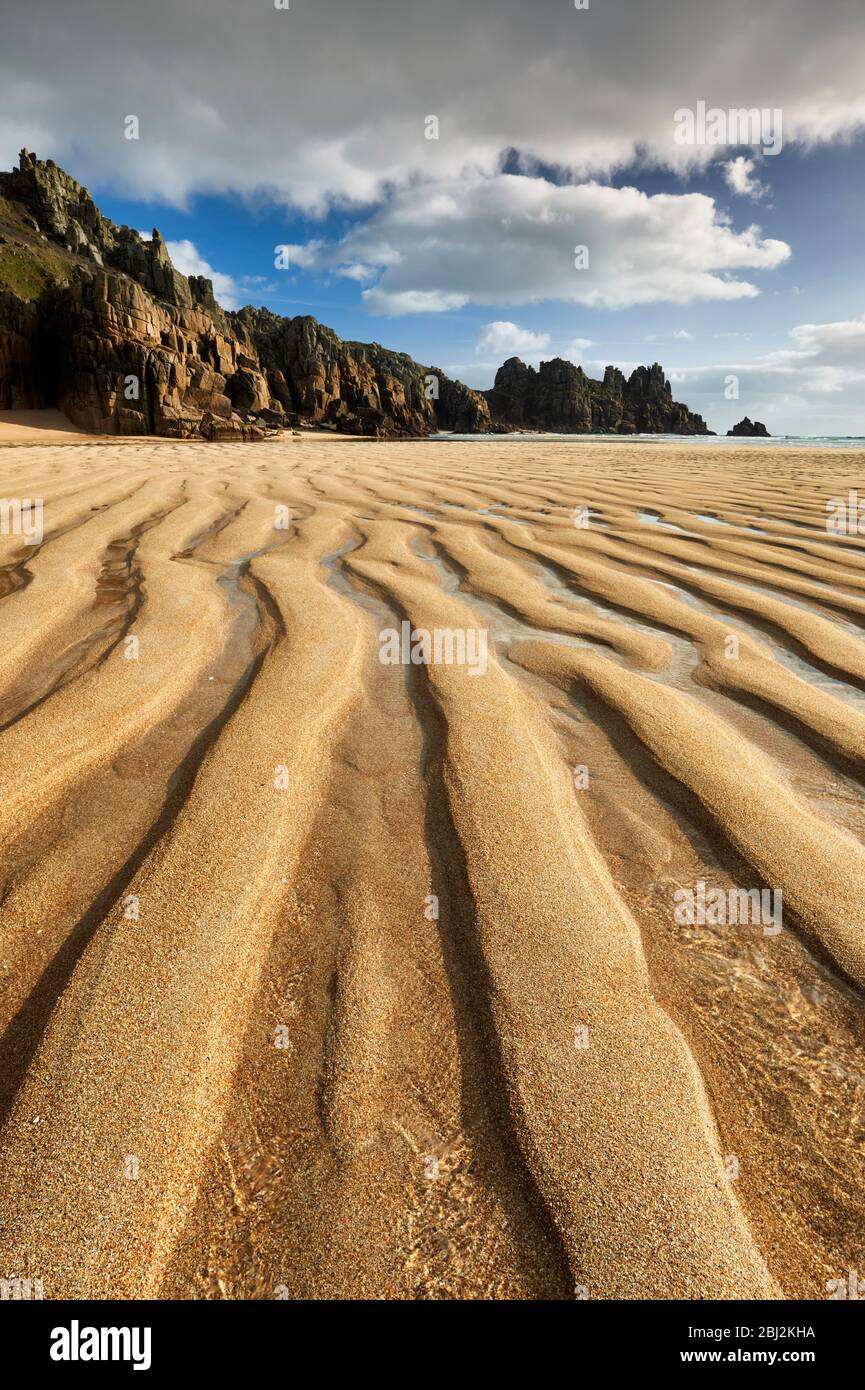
[22,385]
[96,320]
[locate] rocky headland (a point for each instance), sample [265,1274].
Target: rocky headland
[95,320]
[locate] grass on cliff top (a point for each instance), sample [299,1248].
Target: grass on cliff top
[28,265]
[29,270]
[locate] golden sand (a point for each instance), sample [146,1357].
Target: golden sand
[323,977]
[38,427]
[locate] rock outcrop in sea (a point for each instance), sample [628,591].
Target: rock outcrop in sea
[753,428]
[95,319]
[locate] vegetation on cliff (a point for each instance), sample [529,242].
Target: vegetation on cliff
[95,319]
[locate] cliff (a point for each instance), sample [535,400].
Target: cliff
[560,397]
[354,387]
[96,320]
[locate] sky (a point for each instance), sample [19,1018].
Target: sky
[469,182]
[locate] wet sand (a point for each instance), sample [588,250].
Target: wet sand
[323,977]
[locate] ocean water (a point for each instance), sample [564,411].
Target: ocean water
[823,441]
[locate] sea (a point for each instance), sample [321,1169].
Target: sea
[806,441]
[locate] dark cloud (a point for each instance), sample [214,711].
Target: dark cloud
[328,98]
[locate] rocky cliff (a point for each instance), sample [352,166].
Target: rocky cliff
[560,397]
[317,377]
[95,319]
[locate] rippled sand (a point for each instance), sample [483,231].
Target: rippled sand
[241,1054]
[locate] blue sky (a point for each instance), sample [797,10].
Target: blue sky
[309,128]
[814,201]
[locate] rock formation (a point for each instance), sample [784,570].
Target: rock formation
[317,377]
[754,428]
[19,375]
[560,397]
[95,319]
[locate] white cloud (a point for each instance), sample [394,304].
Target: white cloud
[357,272]
[739,174]
[683,335]
[257,284]
[189,261]
[305,257]
[814,387]
[502,339]
[422,302]
[843,340]
[510,239]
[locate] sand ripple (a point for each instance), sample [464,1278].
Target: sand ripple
[328,978]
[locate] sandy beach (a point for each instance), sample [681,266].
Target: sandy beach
[324,976]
